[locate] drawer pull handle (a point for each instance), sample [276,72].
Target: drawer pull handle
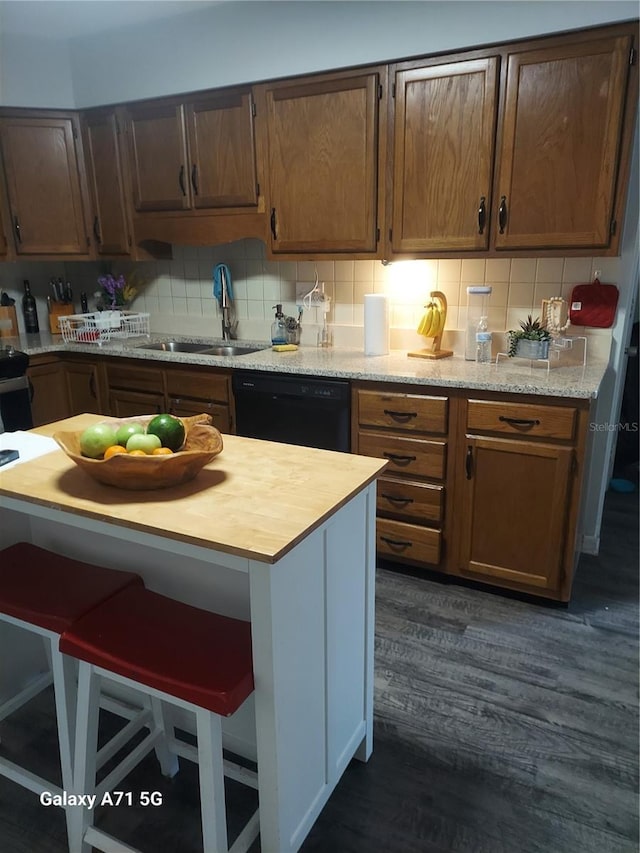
[522,422]
[399,459]
[396,543]
[183,189]
[395,499]
[400,416]
[468,464]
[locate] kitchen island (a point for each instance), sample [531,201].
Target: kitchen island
[283,536]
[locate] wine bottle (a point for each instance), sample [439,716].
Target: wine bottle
[29,311]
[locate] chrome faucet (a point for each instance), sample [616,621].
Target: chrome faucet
[226,304]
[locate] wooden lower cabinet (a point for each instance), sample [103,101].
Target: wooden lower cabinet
[410,430]
[83,386]
[136,390]
[49,399]
[514,510]
[519,466]
[485,487]
[191,392]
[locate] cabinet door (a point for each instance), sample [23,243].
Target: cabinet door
[444,130]
[43,185]
[158,156]
[82,388]
[322,154]
[104,168]
[514,511]
[129,404]
[49,401]
[222,151]
[560,143]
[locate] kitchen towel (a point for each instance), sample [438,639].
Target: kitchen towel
[218,272]
[376,324]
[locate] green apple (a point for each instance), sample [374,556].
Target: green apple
[125,432]
[95,440]
[140,441]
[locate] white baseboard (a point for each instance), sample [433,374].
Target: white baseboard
[590,545]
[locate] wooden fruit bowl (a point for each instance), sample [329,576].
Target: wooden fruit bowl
[202,443]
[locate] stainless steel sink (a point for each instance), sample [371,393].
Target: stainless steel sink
[201,349]
[229,349]
[175,346]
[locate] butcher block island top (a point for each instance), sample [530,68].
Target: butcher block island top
[256,499]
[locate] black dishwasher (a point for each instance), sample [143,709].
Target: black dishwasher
[293,409]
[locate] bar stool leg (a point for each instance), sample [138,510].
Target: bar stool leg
[85,755]
[64,675]
[167,759]
[211,772]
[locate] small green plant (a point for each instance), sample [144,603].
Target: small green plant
[530,330]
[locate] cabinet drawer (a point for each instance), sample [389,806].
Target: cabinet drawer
[198,386]
[185,408]
[413,412]
[410,456]
[135,378]
[521,419]
[421,503]
[402,542]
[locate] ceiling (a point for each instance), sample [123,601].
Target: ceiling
[66,19]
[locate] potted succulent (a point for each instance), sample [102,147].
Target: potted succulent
[531,340]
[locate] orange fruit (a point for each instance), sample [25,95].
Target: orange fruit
[135,452]
[113,450]
[162,451]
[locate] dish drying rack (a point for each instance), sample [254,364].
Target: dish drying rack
[104,326]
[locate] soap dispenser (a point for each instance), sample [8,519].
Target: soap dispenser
[278,327]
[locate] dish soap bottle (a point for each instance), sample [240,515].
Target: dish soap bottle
[278,327]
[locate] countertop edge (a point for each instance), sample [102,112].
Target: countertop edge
[576,382]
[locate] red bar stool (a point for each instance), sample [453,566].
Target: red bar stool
[178,654]
[44,593]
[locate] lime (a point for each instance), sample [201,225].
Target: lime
[169,429]
[125,432]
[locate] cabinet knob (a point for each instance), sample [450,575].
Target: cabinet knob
[194,178]
[16,228]
[468,463]
[96,229]
[274,224]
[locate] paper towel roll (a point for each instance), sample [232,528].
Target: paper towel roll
[376,324]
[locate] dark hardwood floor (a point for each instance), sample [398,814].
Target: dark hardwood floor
[502,726]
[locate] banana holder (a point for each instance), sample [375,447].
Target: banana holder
[432,325]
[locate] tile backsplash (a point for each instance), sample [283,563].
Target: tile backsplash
[179,293]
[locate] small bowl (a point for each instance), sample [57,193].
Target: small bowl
[203,442]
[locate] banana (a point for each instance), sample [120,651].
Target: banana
[438,324]
[426,321]
[432,320]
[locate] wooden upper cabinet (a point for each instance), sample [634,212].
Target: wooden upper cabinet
[101,134]
[158,156]
[194,155]
[561,137]
[323,163]
[45,193]
[222,151]
[443,148]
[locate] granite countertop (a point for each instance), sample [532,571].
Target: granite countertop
[515,376]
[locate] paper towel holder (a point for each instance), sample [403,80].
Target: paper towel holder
[434,351]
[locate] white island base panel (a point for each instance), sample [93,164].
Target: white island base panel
[312,617]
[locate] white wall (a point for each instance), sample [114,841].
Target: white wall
[35,72]
[239,41]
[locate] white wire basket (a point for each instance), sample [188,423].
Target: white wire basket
[102,326]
